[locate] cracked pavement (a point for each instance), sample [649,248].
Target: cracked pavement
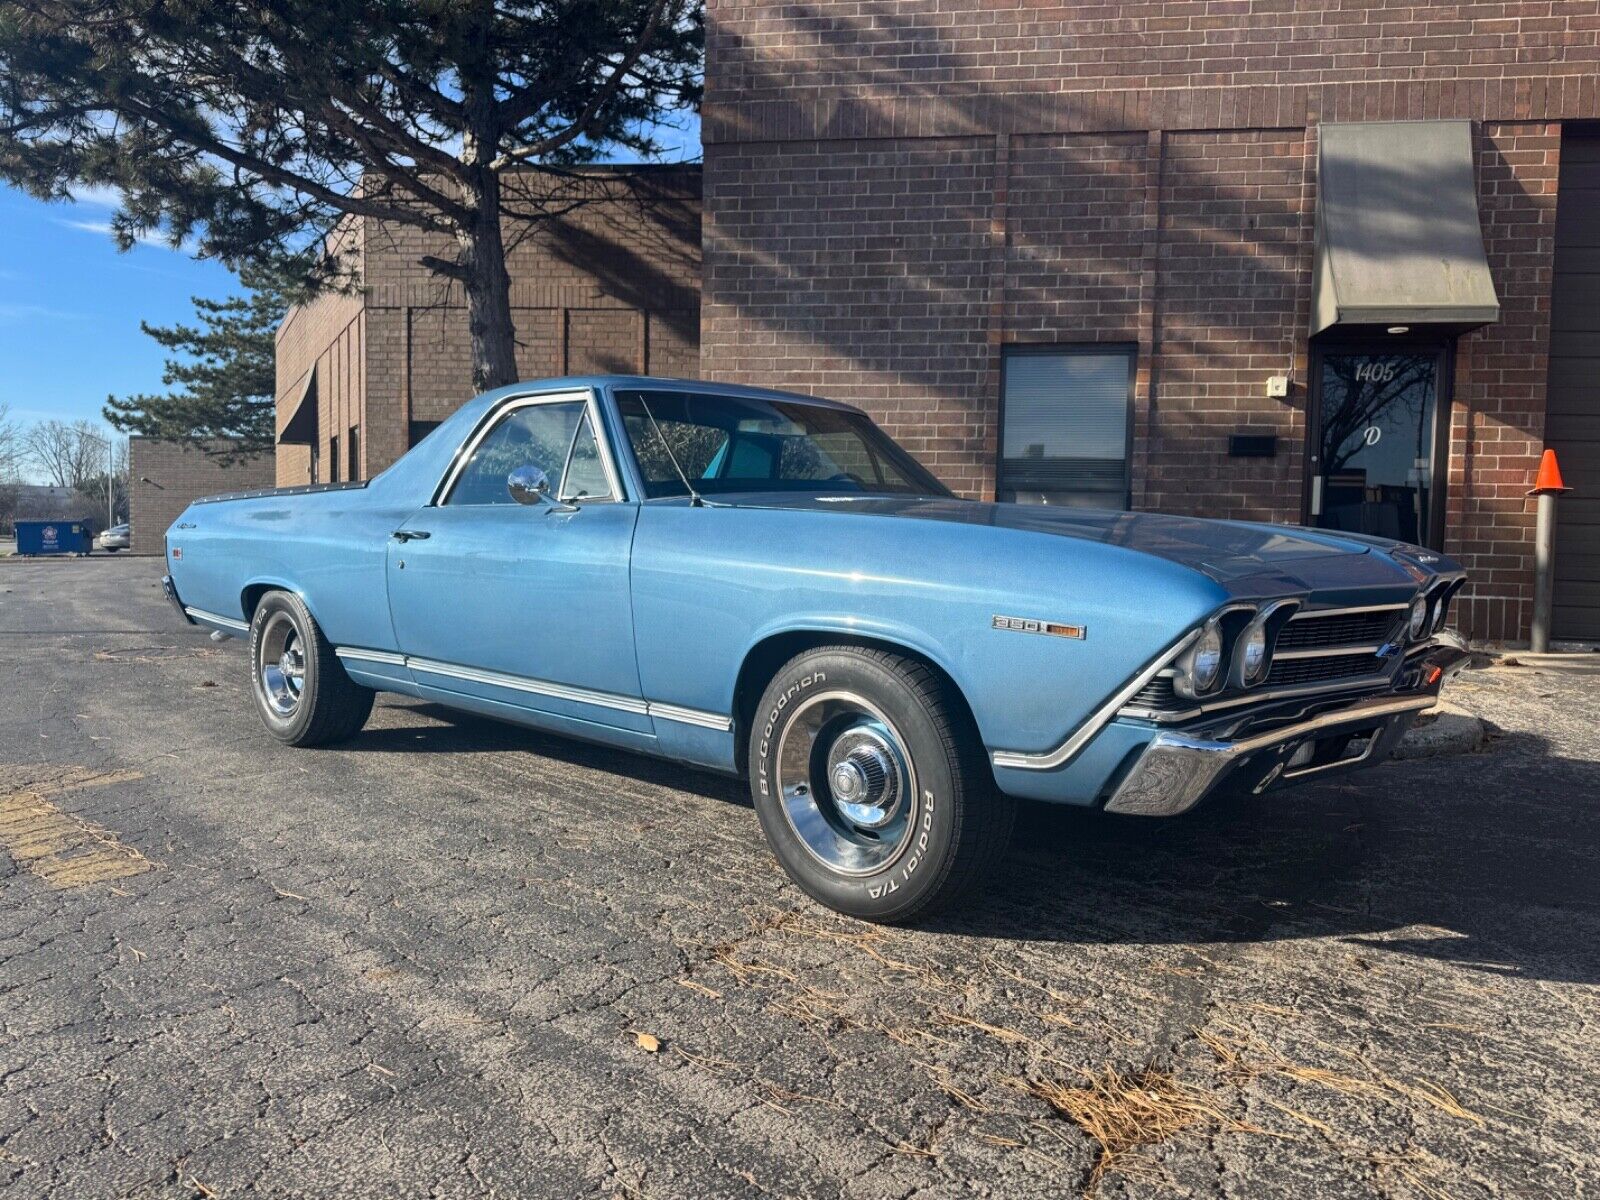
[419,964]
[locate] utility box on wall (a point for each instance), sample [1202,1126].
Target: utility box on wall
[54,537]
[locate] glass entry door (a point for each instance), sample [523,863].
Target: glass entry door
[1375,433]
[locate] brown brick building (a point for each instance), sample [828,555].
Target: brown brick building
[1074,252]
[165,477]
[610,285]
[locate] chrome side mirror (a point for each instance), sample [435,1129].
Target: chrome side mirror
[529,485]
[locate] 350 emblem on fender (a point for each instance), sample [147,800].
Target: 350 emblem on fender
[1029,625]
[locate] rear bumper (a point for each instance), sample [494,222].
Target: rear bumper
[1175,771]
[170,591]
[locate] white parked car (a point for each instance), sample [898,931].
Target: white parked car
[114,539]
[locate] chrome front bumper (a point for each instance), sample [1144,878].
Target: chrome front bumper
[1175,771]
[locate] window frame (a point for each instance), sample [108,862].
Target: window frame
[1128,350]
[512,404]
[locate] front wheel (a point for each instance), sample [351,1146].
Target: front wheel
[300,687]
[871,784]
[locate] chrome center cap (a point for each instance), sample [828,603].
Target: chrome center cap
[861,787]
[848,782]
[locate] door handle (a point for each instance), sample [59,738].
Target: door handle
[410,535]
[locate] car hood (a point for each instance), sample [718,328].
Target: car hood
[1223,550]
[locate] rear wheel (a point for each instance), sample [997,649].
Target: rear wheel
[871,785]
[300,687]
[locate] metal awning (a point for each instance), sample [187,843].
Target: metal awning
[1398,238]
[300,426]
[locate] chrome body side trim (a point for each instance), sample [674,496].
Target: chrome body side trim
[372,656]
[720,722]
[534,687]
[211,618]
[689,716]
[1049,759]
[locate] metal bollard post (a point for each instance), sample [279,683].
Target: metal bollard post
[1547,486]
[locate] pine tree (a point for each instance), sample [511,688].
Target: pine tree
[223,370]
[239,124]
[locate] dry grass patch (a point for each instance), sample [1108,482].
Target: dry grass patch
[1245,1056]
[1123,1112]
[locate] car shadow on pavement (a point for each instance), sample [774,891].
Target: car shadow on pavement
[1485,860]
[450,731]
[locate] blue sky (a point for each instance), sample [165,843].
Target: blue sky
[70,306]
[71,303]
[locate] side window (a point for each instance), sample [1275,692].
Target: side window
[537,435]
[586,473]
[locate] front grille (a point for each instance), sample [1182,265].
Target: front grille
[1286,672]
[1320,638]
[1339,629]
[1158,694]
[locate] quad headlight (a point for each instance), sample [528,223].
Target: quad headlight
[1253,653]
[1201,666]
[1417,619]
[1441,605]
[1206,663]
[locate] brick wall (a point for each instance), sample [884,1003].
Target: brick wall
[327,337]
[168,476]
[896,192]
[1497,423]
[873,68]
[861,271]
[609,284]
[1234,271]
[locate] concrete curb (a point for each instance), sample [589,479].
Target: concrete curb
[1443,729]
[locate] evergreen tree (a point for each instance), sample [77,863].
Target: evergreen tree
[239,123]
[223,370]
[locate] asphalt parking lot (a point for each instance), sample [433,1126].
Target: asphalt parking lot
[454,958]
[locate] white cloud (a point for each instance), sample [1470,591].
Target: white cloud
[104,229]
[11,314]
[98,196]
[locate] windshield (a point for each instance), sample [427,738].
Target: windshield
[748,444]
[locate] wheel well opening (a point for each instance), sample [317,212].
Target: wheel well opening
[251,597]
[766,657]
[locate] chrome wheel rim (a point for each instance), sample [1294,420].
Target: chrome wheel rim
[280,665]
[846,783]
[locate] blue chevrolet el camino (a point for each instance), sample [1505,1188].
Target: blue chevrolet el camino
[766,584]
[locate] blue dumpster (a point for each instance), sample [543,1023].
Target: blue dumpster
[54,537]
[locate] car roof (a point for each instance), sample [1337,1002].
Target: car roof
[659,384]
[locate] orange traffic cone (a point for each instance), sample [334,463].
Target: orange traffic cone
[1549,477]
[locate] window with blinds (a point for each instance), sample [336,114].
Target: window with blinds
[1064,420]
